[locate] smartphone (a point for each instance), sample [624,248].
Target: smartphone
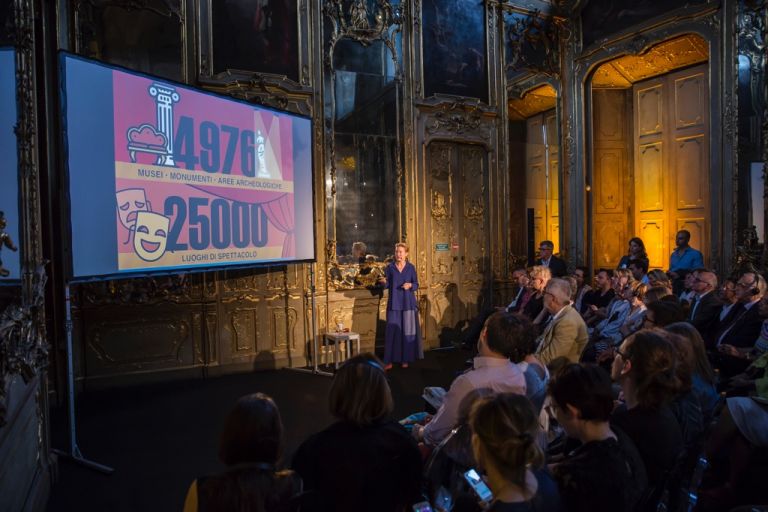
[422,506]
[481,489]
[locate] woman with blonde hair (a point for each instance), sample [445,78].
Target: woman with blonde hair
[504,432]
[402,338]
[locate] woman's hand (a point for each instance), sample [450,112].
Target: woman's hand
[407,286]
[382,280]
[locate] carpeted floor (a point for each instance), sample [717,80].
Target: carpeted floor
[160,437]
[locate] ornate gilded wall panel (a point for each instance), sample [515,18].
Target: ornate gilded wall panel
[649,178]
[691,189]
[652,232]
[122,343]
[284,328]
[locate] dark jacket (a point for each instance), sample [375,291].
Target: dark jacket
[556,266]
[743,328]
[707,316]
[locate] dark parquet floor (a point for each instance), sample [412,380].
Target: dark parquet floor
[160,437]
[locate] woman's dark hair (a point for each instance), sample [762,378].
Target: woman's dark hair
[683,365]
[695,350]
[585,387]
[510,335]
[360,392]
[654,369]
[639,242]
[506,428]
[666,312]
[251,444]
[253,432]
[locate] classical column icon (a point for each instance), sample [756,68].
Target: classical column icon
[260,149]
[165,96]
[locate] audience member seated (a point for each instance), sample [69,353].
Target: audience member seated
[662,313]
[608,328]
[582,287]
[364,461]
[521,280]
[687,294]
[741,428]
[491,369]
[599,298]
[540,276]
[639,269]
[566,333]
[635,295]
[657,277]
[605,473]
[655,293]
[536,373]
[703,377]
[732,359]
[636,251]
[705,308]
[250,446]
[685,405]
[646,369]
[744,327]
[504,432]
[728,297]
[522,295]
[555,265]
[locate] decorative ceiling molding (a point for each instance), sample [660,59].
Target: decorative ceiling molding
[538,100]
[680,52]
[276,91]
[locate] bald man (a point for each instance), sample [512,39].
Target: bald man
[706,306]
[566,333]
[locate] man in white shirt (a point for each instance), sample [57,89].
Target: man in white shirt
[492,370]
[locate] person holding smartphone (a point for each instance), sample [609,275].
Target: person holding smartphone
[505,428]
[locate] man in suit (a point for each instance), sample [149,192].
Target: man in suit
[740,335]
[546,259]
[706,306]
[566,333]
[744,328]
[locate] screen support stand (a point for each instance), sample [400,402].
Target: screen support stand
[315,350]
[74,450]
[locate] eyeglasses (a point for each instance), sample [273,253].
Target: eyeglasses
[649,321]
[622,354]
[545,249]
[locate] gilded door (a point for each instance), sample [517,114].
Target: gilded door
[671,152]
[458,236]
[541,176]
[611,177]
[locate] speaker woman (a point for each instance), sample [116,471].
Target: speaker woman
[403,335]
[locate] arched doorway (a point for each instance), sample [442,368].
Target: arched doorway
[650,151]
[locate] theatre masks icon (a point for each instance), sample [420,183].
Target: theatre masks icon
[151,236]
[130,202]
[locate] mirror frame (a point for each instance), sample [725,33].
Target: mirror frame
[23,341]
[350,276]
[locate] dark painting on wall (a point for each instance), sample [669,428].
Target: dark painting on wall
[530,44]
[601,18]
[256,35]
[454,48]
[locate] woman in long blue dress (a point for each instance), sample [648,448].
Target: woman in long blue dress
[403,336]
